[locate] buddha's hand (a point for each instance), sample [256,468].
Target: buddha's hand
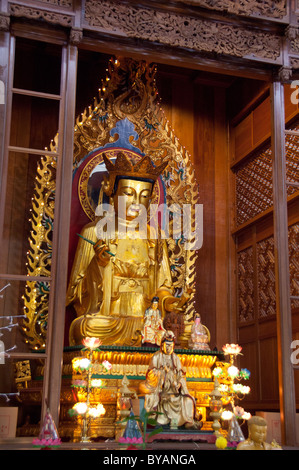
[101,253]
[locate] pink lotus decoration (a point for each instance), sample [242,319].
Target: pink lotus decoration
[241,413]
[107,365]
[46,442]
[91,342]
[131,440]
[233,349]
[79,383]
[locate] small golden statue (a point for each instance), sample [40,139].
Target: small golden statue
[200,335]
[114,278]
[153,329]
[22,373]
[166,391]
[257,433]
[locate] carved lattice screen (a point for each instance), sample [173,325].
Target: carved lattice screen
[256,265]
[254,193]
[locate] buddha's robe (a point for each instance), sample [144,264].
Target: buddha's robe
[111,300]
[166,391]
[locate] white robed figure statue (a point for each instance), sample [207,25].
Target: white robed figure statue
[165,388]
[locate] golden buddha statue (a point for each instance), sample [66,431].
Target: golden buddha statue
[257,432]
[165,388]
[115,276]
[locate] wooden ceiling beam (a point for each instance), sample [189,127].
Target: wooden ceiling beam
[155,52]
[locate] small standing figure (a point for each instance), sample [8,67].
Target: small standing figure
[199,335]
[153,329]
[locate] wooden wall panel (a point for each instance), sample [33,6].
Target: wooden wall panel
[256,322]
[249,360]
[296,354]
[253,129]
[243,137]
[269,371]
[260,358]
[296,381]
[291,109]
[205,165]
[182,113]
[261,123]
[223,190]
[197,113]
[256,297]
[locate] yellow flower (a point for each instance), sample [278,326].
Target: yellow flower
[221,442]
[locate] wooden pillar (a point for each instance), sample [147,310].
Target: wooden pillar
[283,301]
[6,74]
[222,233]
[4,60]
[55,334]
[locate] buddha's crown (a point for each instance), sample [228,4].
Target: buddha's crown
[168,337]
[123,166]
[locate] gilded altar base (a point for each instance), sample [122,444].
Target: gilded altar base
[131,363]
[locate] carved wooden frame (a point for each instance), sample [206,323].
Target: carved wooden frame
[261,33]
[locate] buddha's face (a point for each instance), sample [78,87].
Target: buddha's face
[258,433]
[168,347]
[155,305]
[135,194]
